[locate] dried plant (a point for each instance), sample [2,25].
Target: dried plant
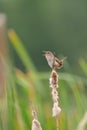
[35,123]
[54,85]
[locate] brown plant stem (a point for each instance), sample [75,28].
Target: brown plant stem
[57,125]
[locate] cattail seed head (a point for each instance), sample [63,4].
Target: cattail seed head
[36,125]
[53,79]
[54,95]
[56,109]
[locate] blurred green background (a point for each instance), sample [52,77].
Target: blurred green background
[38,25]
[56,25]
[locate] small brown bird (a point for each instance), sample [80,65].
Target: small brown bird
[53,61]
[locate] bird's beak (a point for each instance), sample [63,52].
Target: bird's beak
[44,53]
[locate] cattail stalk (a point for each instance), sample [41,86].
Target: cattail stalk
[54,85]
[35,123]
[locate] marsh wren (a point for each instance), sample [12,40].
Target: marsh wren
[53,61]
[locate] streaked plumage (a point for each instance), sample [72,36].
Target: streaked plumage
[53,61]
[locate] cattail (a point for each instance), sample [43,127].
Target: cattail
[53,81]
[56,109]
[54,95]
[35,123]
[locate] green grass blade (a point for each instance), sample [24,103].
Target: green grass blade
[21,51]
